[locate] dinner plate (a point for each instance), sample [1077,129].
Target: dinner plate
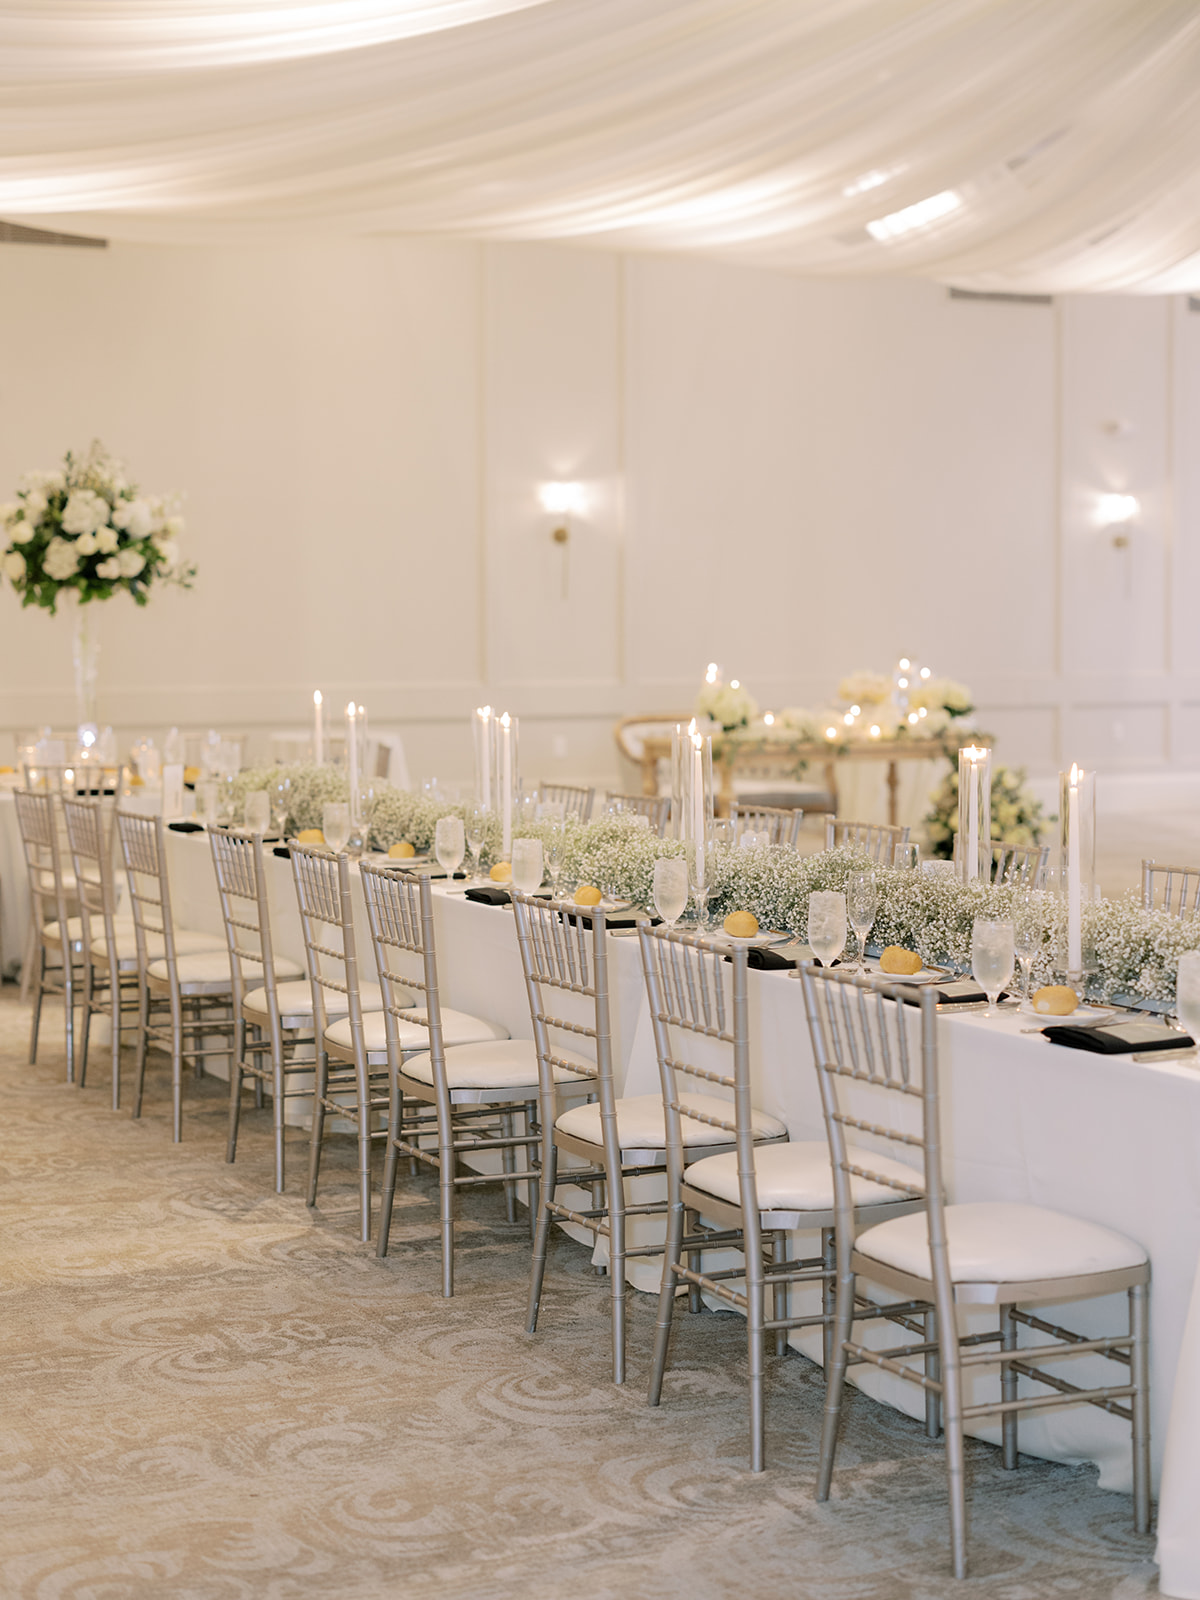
[927,974]
[757,941]
[605,906]
[1081,1014]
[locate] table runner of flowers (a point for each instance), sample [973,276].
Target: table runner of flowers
[1137,951]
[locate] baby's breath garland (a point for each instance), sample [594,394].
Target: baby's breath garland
[1137,951]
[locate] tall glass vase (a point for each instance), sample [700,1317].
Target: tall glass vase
[85,653]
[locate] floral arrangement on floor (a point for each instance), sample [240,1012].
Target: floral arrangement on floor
[1017,818]
[85,529]
[1137,951]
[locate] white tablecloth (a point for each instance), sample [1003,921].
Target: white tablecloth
[1093,1136]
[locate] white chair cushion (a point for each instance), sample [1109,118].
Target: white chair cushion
[122,926]
[641,1123]
[458,1028]
[188,942]
[295,999]
[995,1241]
[498,1064]
[206,966]
[798,1177]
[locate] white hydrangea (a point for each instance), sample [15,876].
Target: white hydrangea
[107,540]
[84,512]
[61,560]
[109,568]
[134,516]
[86,544]
[14,566]
[21,532]
[130,561]
[36,506]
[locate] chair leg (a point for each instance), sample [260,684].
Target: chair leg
[779,1292]
[666,1298]
[85,1021]
[236,1079]
[541,1237]
[364,1161]
[952,1424]
[115,1008]
[533,1187]
[143,1026]
[933,1400]
[177,1070]
[828,1296]
[835,1379]
[615,1187]
[446,1171]
[69,1005]
[32,940]
[278,1105]
[691,1222]
[391,1162]
[39,991]
[317,1136]
[1008,1388]
[1139,1328]
[508,1162]
[755,1299]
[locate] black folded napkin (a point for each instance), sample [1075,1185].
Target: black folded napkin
[957,992]
[488,894]
[282,850]
[186,827]
[628,921]
[1120,1040]
[766,960]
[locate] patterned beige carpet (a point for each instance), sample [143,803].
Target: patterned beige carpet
[212,1393]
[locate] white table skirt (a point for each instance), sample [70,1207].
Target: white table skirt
[1093,1136]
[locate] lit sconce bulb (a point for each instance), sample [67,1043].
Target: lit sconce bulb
[561,499]
[923,711]
[913,717]
[856,711]
[874,730]
[734,684]
[904,663]
[1112,508]
[87,738]
[902,683]
[831,733]
[926,673]
[848,719]
[69,774]
[769,719]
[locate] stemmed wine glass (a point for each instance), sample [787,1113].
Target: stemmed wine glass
[1027,916]
[992,958]
[701,871]
[670,888]
[449,842]
[281,804]
[335,825]
[827,925]
[1187,993]
[257,811]
[476,825]
[553,849]
[528,865]
[862,903]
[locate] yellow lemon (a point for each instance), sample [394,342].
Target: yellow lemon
[899,960]
[741,924]
[310,836]
[401,850]
[191,774]
[1055,1000]
[587,894]
[501,872]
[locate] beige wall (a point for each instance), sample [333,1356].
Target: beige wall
[793,477]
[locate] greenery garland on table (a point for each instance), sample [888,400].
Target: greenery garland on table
[1137,951]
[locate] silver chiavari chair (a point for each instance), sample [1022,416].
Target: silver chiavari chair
[55,940]
[264,1049]
[447,1100]
[108,942]
[565,955]
[575,800]
[185,989]
[655,806]
[84,779]
[781,823]
[880,1082]
[1175,890]
[876,839]
[1015,864]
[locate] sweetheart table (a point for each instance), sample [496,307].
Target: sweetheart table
[1095,1136]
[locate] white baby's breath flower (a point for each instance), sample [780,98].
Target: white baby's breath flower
[61,560]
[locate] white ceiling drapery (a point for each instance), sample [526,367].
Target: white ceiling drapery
[1034,145]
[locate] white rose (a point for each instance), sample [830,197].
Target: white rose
[169,551]
[130,561]
[14,566]
[35,505]
[21,532]
[84,512]
[174,527]
[86,544]
[9,512]
[135,516]
[109,569]
[60,560]
[106,540]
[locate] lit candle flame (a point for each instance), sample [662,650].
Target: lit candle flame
[318,697]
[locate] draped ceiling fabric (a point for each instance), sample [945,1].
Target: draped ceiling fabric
[1028,145]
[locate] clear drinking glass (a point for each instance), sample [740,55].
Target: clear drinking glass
[906,855]
[701,871]
[1028,918]
[1187,993]
[827,925]
[862,903]
[335,824]
[476,825]
[281,805]
[992,957]
[449,844]
[554,845]
[528,865]
[208,802]
[226,801]
[670,888]
[257,811]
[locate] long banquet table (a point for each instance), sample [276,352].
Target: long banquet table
[1099,1137]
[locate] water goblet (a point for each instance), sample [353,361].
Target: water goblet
[827,925]
[257,811]
[335,824]
[281,804]
[906,855]
[449,844]
[554,845]
[702,863]
[476,827]
[226,801]
[1187,993]
[208,803]
[528,864]
[992,956]
[1028,918]
[670,888]
[862,904]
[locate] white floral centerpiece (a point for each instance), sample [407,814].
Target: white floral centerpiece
[84,529]
[729,704]
[1017,817]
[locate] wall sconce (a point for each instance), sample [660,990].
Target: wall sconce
[1117,511]
[561,501]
